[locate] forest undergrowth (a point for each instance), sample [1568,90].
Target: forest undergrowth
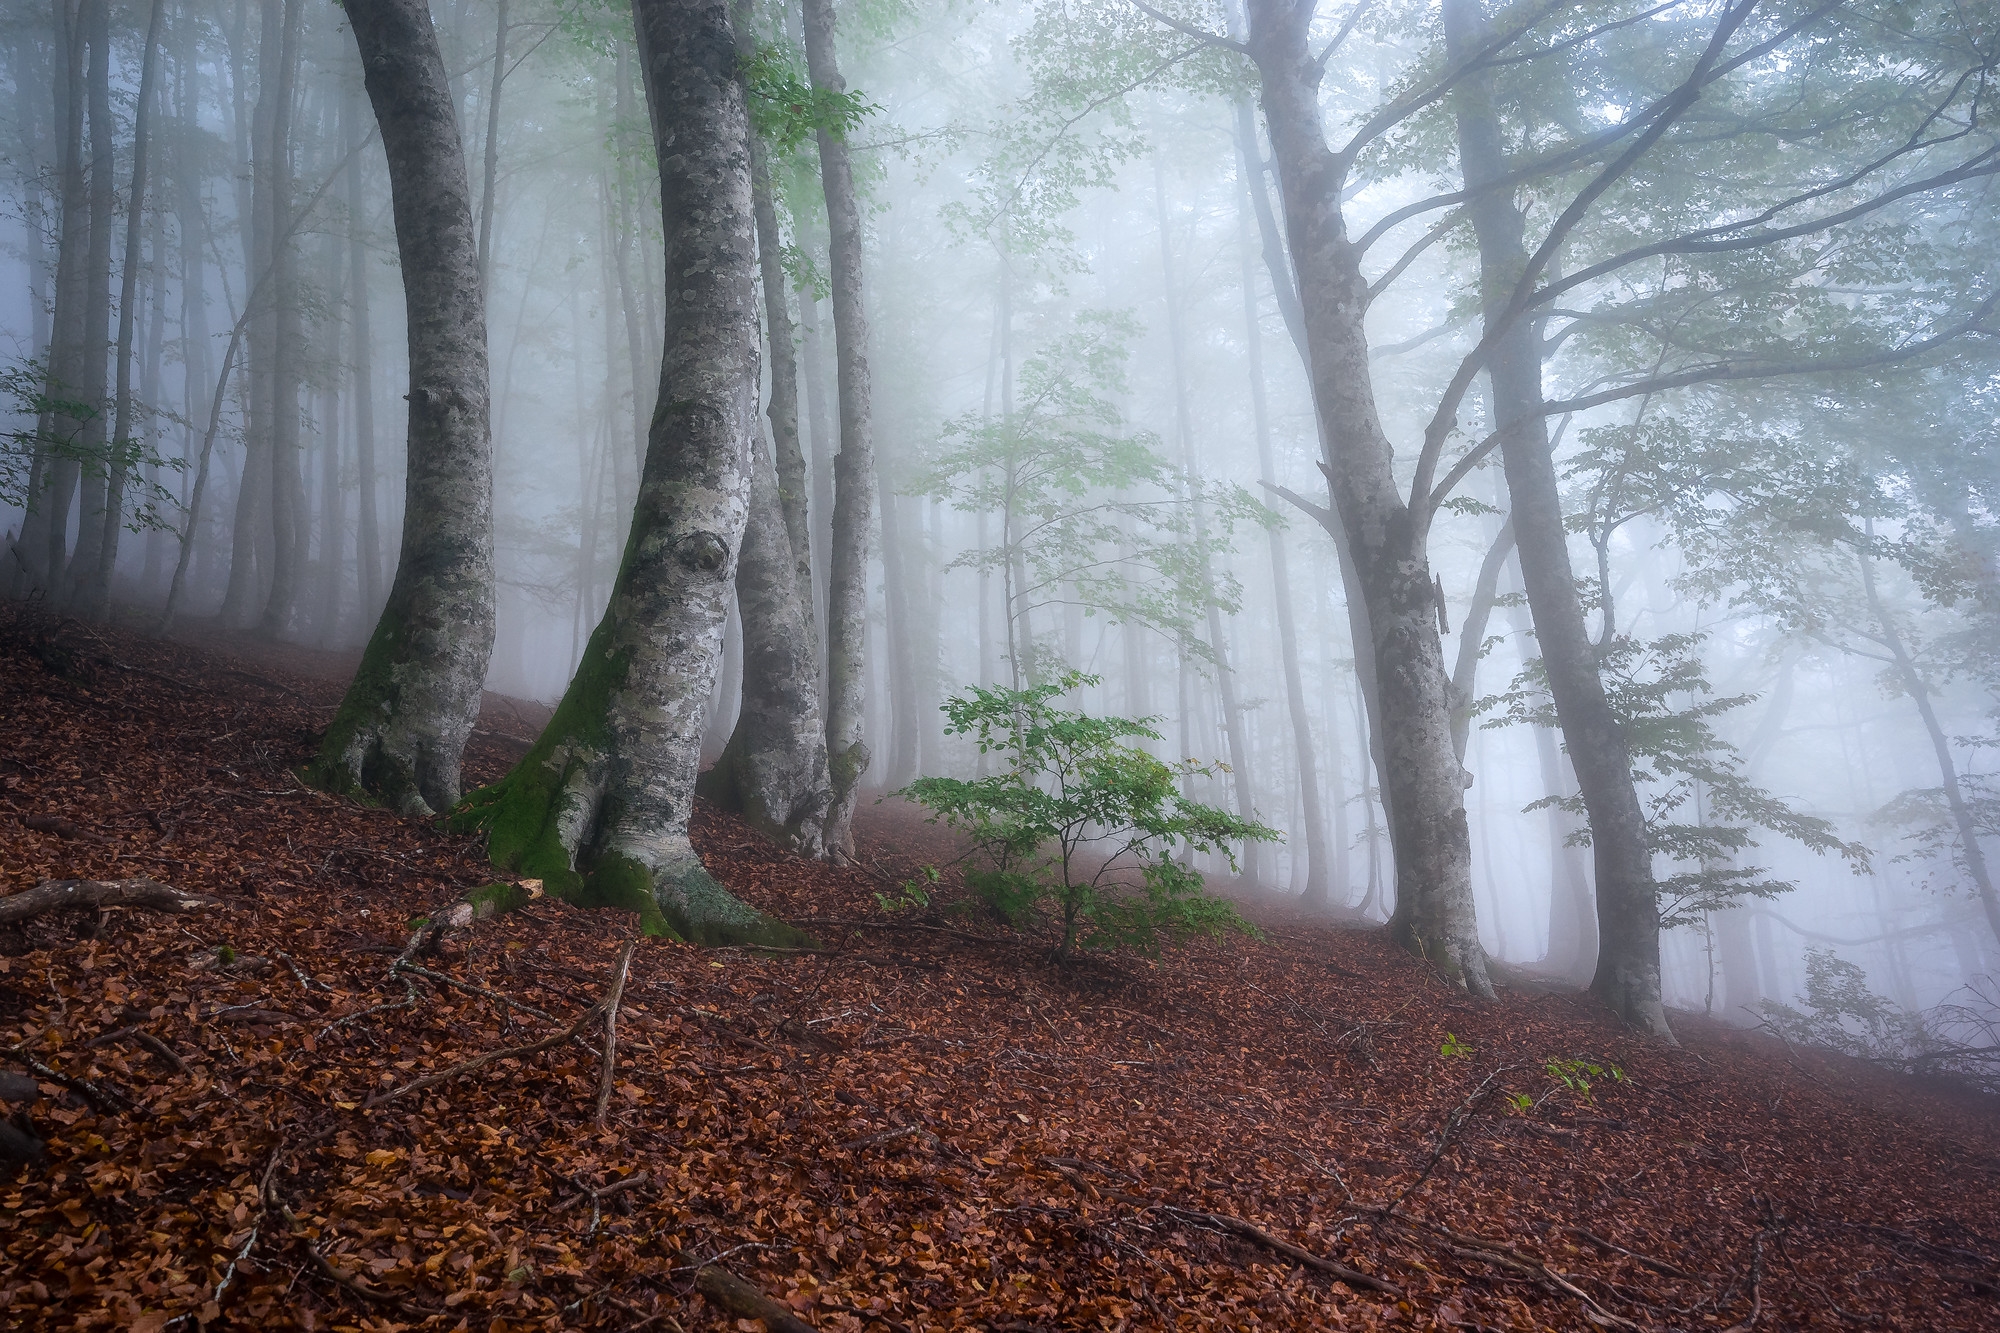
[228,1116]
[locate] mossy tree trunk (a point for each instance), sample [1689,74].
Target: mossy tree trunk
[401,730]
[599,808]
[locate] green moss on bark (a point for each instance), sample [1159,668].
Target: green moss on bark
[535,816]
[351,760]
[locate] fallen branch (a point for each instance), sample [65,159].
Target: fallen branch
[105,1099]
[479,1062]
[611,1003]
[146,1039]
[746,1301]
[56,894]
[1657,1265]
[1353,1277]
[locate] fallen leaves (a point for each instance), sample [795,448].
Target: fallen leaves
[922,1126]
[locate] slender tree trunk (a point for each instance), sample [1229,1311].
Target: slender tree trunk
[1318,883]
[368,537]
[1434,911]
[97,597]
[401,730]
[43,545]
[812,371]
[854,466]
[1218,641]
[290,526]
[599,808]
[1628,958]
[490,176]
[783,409]
[95,362]
[1912,680]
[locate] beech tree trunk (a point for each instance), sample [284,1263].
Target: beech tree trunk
[402,728]
[94,361]
[853,466]
[599,808]
[1628,914]
[368,535]
[1318,885]
[40,550]
[773,770]
[1434,915]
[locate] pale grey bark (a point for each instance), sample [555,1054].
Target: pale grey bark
[94,360]
[42,546]
[1318,890]
[96,595]
[368,536]
[1628,958]
[783,409]
[1434,914]
[773,770]
[402,728]
[489,179]
[600,806]
[854,465]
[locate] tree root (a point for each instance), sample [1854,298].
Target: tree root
[747,1301]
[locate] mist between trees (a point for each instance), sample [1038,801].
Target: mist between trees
[1540,458]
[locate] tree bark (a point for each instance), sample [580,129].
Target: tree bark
[43,543]
[599,808]
[368,534]
[401,730]
[1318,886]
[1434,911]
[290,526]
[94,359]
[96,601]
[773,770]
[1628,958]
[854,465]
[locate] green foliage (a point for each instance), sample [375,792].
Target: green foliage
[57,428]
[1090,513]
[911,894]
[786,110]
[1842,1014]
[1083,823]
[1700,807]
[1452,1046]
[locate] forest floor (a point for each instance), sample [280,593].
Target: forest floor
[925,1125]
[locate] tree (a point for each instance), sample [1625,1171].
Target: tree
[401,729]
[1079,811]
[1090,514]
[854,465]
[598,810]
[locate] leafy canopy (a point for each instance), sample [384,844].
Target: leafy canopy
[1083,822]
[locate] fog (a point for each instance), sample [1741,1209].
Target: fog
[1780,514]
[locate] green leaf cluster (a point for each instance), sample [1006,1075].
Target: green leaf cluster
[1083,825]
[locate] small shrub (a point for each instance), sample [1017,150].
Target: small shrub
[1079,811]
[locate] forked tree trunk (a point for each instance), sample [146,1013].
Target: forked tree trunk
[1628,914]
[1387,540]
[853,466]
[599,808]
[401,730]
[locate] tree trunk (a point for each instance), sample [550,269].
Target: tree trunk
[368,535]
[783,408]
[43,542]
[94,363]
[490,177]
[1628,957]
[96,601]
[402,728]
[290,526]
[854,466]
[1218,641]
[1387,540]
[1318,886]
[773,771]
[599,808]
